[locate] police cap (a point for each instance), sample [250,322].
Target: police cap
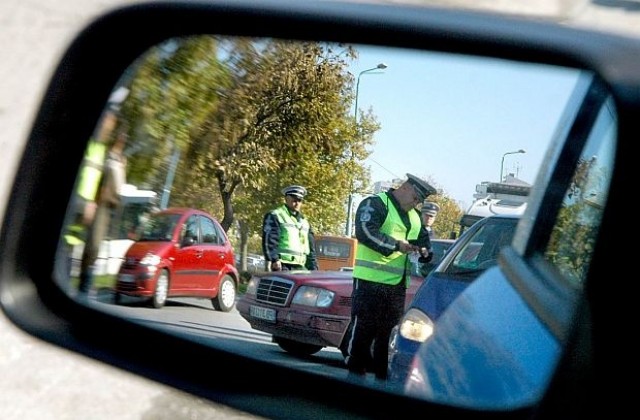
[422,187]
[295,191]
[430,208]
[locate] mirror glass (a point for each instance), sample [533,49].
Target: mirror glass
[202,135]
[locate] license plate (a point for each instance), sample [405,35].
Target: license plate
[263,313]
[126,278]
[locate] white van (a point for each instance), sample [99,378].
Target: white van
[496,198]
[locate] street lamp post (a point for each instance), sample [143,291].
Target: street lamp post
[502,163]
[380,66]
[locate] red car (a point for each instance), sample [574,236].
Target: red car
[181,252]
[305,311]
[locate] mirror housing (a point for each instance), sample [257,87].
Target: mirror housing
[73,104]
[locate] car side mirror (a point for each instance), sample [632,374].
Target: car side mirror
[188,241]
[457,60]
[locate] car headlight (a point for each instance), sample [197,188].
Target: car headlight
[416,326]
[150,259]
[313,296]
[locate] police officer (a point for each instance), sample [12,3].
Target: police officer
[287,237]
[388,229]
[108,200]
[429,211]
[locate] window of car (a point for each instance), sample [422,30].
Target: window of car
[574,233]
[481,250]
[190,229]
[170,67]
[209,232]
[159,227]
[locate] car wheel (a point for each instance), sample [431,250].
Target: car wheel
[162,290]
[297,348]
[226,295]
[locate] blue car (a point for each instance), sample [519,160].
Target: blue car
[500,344]
[475,251]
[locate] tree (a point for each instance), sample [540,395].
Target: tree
[249,117]
[171,95]
[572,241]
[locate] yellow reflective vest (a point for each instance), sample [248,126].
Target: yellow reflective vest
[293,246]
[372,265]
[92,170]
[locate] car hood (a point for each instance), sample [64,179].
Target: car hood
[319,277]
[437,293]
[140,249]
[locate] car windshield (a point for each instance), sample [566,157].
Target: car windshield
[481,251]
[159,227]
[439,250]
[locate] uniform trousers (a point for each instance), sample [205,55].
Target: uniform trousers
[376,309]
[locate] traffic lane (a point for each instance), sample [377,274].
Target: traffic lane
[196,318]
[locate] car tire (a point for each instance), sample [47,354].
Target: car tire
[162,290]
[296,348]
[226,298]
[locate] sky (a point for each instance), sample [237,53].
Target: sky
[451,119]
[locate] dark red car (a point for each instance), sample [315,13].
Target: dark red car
[305,311]
[181,252]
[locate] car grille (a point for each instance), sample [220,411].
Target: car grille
[273,291]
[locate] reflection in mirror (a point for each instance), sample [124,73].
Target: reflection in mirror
[201,136]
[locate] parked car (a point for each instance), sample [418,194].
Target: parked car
[180,252]
[254,262]
[475,251]
[305,311]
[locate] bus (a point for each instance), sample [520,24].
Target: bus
[335,252]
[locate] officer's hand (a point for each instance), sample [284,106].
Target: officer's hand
[406,248]
[425,256]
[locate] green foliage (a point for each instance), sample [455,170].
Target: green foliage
[248,117]
[448,219]
[572,241]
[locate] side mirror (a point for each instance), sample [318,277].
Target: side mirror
[188,241]
[467,74]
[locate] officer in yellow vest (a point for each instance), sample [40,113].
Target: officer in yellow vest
[89,180]
[388,229]
[90,174]
[287,237]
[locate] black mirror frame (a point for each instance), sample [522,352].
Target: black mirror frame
[74,102]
